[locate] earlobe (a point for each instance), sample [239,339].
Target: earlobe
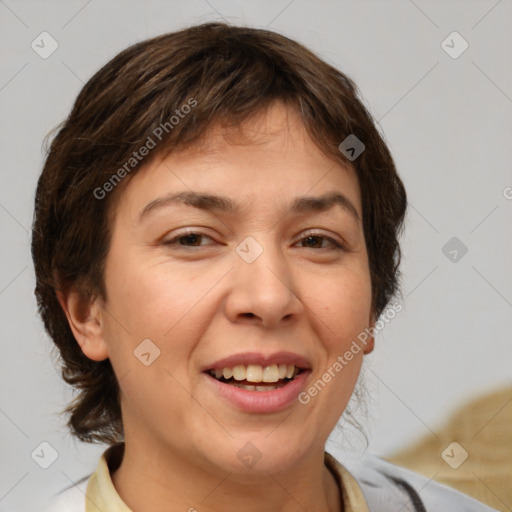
[370,341]
[85,320]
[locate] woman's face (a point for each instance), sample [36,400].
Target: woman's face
[255,289]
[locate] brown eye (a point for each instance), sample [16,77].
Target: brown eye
[315,241]
[190,239]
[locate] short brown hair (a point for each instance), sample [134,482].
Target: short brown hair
[231,73]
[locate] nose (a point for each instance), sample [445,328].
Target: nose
[264,290]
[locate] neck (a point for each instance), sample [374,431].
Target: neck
[154,480]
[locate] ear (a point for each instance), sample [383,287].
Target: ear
[370,341]
[85,320]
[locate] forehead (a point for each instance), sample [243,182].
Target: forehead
[269,158]
[277,128]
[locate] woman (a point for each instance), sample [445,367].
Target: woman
[215,238]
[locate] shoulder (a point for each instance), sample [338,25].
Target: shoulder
[388,487]
[70,499]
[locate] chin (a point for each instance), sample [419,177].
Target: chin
[260,453]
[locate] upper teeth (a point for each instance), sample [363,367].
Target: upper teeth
[257,373]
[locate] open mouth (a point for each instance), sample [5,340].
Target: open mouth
[254,377]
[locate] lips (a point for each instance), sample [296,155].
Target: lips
[256,382]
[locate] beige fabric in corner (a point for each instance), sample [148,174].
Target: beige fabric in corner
[483,429]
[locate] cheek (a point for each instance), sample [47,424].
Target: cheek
[345,305]
[157,304]
[160,302]
[151,298]
[349,313]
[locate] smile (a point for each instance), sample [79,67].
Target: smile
[258,383]
[254,377]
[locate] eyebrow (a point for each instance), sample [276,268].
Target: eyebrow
[212,202]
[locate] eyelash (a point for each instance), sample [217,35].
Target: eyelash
[336,245]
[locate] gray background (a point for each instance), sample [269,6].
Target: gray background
[448,124]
